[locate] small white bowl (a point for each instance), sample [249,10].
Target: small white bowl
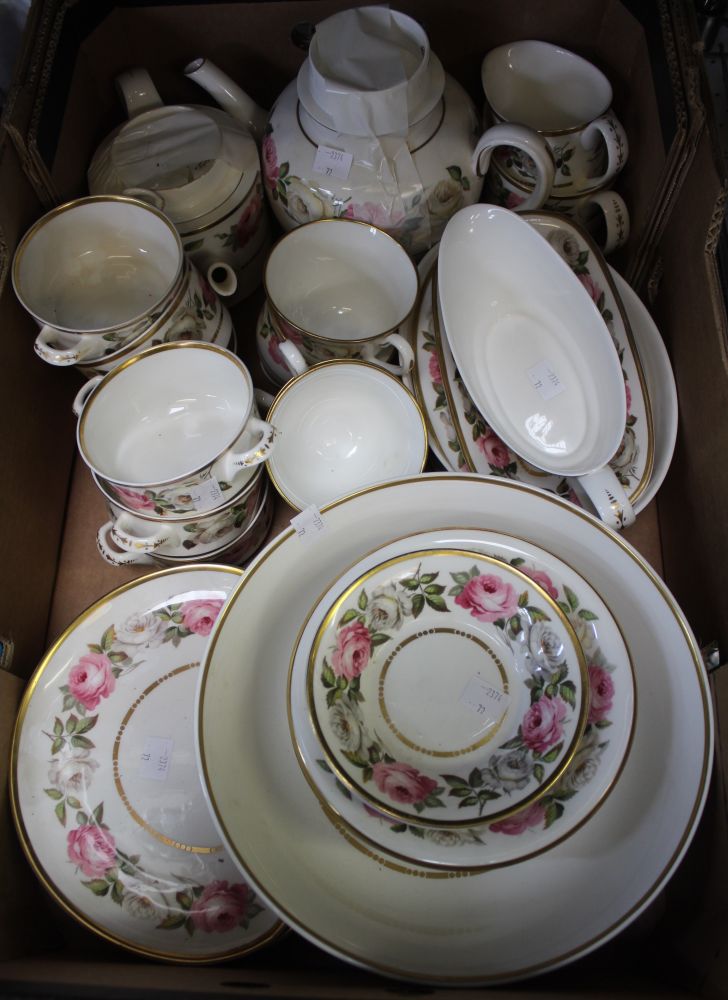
[343,426]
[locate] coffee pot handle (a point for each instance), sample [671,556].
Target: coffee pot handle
[533,144]
[137,91]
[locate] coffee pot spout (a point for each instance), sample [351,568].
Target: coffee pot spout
[229,96]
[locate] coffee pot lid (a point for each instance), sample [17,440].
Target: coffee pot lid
[370,71]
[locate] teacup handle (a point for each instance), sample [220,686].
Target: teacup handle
[264,400]
[83,393]
[222,279]
[608,497]
[45,348]
[123,535]
[403,348]
[611,211]
[528,140]
[615,139]
[230,464]
[293,357]
[114,556]
[145,194]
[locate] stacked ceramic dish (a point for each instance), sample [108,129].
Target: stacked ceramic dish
[176,447]
[479,754]
[456,398]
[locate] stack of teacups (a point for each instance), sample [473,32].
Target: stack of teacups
[176,447]
[106,278]
[555,142]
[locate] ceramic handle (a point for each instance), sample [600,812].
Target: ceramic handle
[222,279]
[404,350]
[123,535]
[615,139]
[293,357]
[264,399]
[606,216]
[62,356]
[144,194]
[528,140]
[607,495]
[137,92]
[233,462]
[83,393]
[114,556]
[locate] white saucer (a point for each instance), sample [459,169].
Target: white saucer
[407,920]
[104,790]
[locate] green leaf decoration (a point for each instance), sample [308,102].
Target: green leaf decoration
[455,172]
[465,184]
[355,759]
[348,616]
[127,868]
[523,599]
[433,802]
[98,886]
[538,615]
[429,578]
[567,690]
[366,773]
[379,637]
[107,639]
[433,589]
[512,744]
[71,723]
[554,810]
[363,600]
[475,778]
[68,702]
[53,793]
[324,766]
[83,725]
[283,169]
[514,624]
[328,677]
[455,781]
[185,899]
[332,696]
[81,818]
[402,827]
[461,792]
[571,598]
[461,578]
[57,745]
[342,683]
[472,800]
[73,802]
[436,602]
[602,724]
[99,813]
[60,812]
[410,582]
[190,926]
[58,727]
[94,648]
[485,795]
[455,591]
[172,922]
[550,757]
[193,245]
[588,616]
[116,671]
[117,892]
[82,742]
[418,603]
[538,772]
[551,690]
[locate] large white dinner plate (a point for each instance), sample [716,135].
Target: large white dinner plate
[105,794]
[409,921]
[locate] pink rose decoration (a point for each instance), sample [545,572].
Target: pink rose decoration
[534,815]
[353,649]
[542,579]
[514,200]
[541,727]
[270,160]
[495,452]
[247,224]
[275,352]
[91,679]
[601,693]
[92,849]
[375,214]
[133,498]
[402,783]
[628,394]
[208,295]
[199,616]
[221,907]
[488,598]
[434,369]
[288,331]
[591,286]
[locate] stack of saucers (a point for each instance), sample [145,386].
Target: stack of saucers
[462,436]
[479,754]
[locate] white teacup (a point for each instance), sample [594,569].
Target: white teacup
[175,420]
[564,99]
[344,425]
[338,288]
[98,273]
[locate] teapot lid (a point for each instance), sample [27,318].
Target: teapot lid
[192,158]
[370,71]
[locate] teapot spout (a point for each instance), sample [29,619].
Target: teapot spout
[229,96]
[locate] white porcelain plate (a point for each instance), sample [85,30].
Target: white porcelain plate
[408,920]
[591,773]
[105,793]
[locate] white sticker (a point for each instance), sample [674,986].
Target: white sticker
[332,162]
[156,758]
[484,699]
[206,494]
[309,524]
[546,380]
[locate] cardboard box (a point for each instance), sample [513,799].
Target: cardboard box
[62,105]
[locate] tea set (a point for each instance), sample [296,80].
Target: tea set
[461,696]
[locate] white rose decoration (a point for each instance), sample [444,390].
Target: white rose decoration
[137,903]
[387,608]
[72,773]
[566,246]
[546,648]
[627,454]
[346,726]
[585,764]
[304,204]
[141,630]
[445,198]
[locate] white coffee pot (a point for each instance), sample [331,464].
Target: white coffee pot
[373,129]
[202,169]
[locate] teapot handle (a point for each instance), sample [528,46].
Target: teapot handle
[137,91]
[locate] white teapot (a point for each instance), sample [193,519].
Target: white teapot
[374,129]
[202,169]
